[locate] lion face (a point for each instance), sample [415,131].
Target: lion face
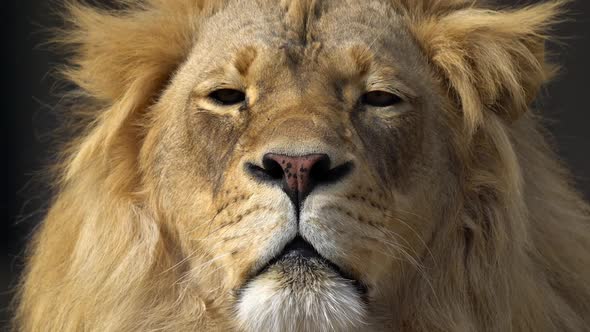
[297,158]
[308,165]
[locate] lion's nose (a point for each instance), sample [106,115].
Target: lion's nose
[300,174]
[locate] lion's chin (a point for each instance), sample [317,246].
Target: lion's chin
[301,291]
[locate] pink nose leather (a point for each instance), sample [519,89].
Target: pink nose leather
[297,170]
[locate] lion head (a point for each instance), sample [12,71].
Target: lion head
[302,165]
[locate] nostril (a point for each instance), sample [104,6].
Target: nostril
[320,169]
[273,167]
[322,173]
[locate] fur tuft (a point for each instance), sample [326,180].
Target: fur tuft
[332,304]
[493,60]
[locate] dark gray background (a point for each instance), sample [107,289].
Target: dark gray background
[29,123]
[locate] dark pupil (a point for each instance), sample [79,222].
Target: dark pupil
[228,96]
[380,99]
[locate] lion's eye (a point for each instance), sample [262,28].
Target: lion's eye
[380,99]
[228,97]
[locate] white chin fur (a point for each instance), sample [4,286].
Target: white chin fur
[270,303]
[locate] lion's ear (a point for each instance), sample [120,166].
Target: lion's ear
[491,59]
[139,45]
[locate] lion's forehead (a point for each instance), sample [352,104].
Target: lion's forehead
[332,23]
[296,47]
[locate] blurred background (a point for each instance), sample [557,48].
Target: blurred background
[29,121]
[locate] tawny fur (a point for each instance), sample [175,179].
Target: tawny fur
[511,253]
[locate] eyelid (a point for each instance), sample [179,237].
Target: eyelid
[206,88]
[394,86]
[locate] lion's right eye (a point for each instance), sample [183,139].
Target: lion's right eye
[380,99]
[227,97]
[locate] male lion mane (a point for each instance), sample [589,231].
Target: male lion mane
[515,258]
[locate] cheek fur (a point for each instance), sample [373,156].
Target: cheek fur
[391,145]
[212,140]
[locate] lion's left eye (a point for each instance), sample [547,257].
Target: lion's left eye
[228,97]
[380,99]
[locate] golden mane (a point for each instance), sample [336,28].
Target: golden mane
[520,263]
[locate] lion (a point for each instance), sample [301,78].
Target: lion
[309,165]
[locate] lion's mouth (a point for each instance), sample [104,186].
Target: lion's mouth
[301,261]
